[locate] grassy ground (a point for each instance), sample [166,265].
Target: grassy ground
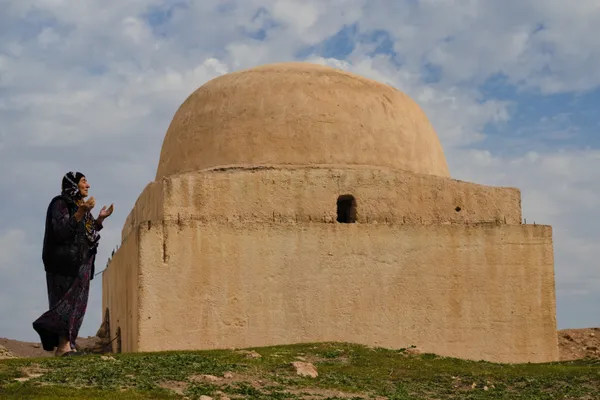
[345,372]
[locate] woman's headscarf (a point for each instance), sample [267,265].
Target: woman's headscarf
[70,186]
[70,189]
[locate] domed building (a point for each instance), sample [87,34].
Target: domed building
[300,203]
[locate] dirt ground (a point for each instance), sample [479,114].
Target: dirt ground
[30,349]
[573,344]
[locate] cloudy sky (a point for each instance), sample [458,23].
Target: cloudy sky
[510,86]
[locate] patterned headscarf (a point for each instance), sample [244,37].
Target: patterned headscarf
[70,189]
[70,186]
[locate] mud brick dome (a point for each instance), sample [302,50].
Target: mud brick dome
[296,203]
[300,114]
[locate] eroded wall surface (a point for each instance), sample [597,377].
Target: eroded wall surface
[251,255]
[309,194]
[299,114]
[470,291]
[120,291]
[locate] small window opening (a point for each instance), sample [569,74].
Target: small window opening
[346,209]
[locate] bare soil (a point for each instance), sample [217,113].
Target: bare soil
[34,350]
[573,344]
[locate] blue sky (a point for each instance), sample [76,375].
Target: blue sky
[511,88]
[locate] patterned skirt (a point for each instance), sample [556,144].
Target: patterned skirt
[68,298]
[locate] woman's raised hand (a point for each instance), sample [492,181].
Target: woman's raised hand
[89,204]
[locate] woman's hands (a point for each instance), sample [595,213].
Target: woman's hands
[105,213]
[88,205]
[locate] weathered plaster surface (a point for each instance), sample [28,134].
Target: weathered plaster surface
[250,257]
[120,292]
[478,292]
[299,113]
[309,194]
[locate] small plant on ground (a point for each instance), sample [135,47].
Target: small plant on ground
[345,371]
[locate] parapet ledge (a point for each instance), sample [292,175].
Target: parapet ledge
[246,194]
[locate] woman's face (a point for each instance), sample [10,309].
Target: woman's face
[83,186]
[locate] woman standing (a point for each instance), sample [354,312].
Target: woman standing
[70,245]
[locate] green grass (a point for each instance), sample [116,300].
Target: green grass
[358,372]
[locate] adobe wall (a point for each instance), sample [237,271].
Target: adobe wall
[469,291]
[149,206]
[120,293]
[244,255]
[309,194]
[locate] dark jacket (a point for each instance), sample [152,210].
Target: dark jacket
[66,247]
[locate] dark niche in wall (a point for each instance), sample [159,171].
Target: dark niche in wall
[346,209]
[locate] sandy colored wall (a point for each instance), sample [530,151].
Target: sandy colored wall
[480,292]
[306,194]
[120,293]
[148,207]
[310,194]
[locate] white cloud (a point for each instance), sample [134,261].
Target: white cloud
[475,39]
[92,86]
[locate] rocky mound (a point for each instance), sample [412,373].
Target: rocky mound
[574,344]
[4,353]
